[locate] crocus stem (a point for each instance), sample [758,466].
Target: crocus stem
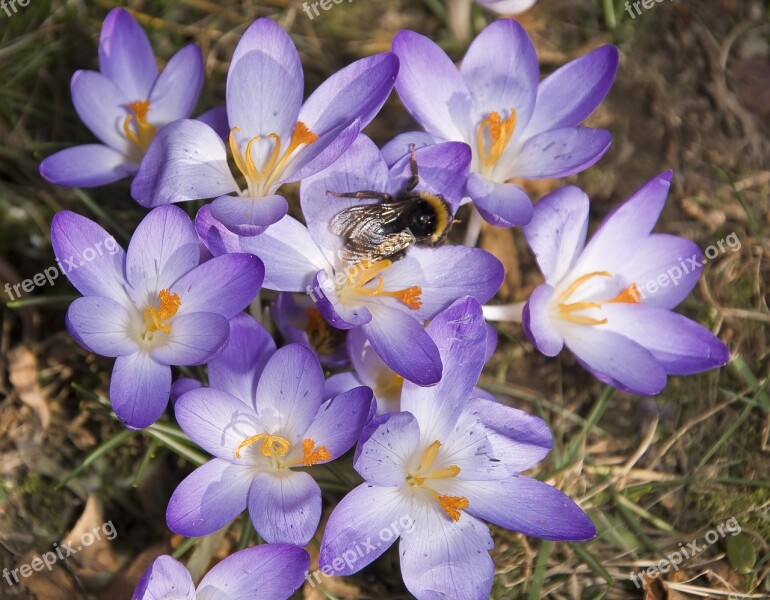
[505,312]
[460,18]
[474,228]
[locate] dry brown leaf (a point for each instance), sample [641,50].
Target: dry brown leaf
[124,582]
[22,369]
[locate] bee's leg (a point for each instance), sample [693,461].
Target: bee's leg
[362,194]
[415,178]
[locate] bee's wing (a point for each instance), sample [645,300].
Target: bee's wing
[361,230]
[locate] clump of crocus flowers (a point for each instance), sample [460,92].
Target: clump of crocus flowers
[404,335]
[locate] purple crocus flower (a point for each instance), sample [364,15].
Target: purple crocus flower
[507,7]
[516,126]
[152,306]
[274,137]
[300,322]
[449,462]
[266,417]
[370,370]
[390,301]
[266,572]
[125,104]
[610,302]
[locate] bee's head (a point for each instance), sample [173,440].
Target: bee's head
[433,219]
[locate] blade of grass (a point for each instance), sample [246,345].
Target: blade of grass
[115,441]
[45,300]
[592,562]
[102,214]
[540,566]
[195,457]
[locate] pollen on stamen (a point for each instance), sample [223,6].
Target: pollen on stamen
[452,505]
[312,455]
[155,317]
[630,295]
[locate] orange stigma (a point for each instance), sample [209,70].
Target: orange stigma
[630,295]
[499,132]
[259,182]
[155,318]
[312,455]
[411,296]
[137,128]
[452,505]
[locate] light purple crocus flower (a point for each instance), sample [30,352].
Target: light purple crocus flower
[152,306]
[125,104]
[610,301]
[370,370]
[507,7]
[300,322]
[390,301]
[274,137]
[265,572]
[266,417]
[449,462]
[516,126]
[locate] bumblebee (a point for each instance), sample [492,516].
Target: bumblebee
[375,232]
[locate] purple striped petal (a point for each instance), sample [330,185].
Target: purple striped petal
[209,498]
[399,146]
[501,204]
[101,106]
[139,389]
[285,507]
[125,55]
[538,324]
[86,166]
[175,93]
[101,325]
[560,152]
[386,448]
[193,340]
[165,578]
[249,216]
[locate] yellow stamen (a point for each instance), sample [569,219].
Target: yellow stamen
[389,385]
[452,505]
[500,133]
[260,181]
[312,455]
[154,318]
[272,446]
[411,296]
[630,295]
[142,133]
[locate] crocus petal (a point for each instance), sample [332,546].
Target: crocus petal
[163,248]
[399,146]
[403,345]
[139,389]
[182,386]
[475,273]
[665,269]
[264,572]
[249,216]
[502,72]
[339,383]
[616,360]
[442,558]
[217,422]
[79,245]
[290,256]
[386,446]
[538,323]
[460,334]
[264,83]
[508,7]
[125,55]
[186,161]
[176,91]
[360,518]
[216,118]
[431,87]
[324,151]
[518,440]
[340,420]
[224,285]
[209,498]
[618,238]
[560,152]
[101,325]
[531,507]
[356,92]
[237,368]
[443,169]
[360,168]
[682,346]
[165,578]
[285,507]
[99,104]
[86,166]
[557,231]
[290,391]
[501,204]
[337,314]
[571,93]
[193,340]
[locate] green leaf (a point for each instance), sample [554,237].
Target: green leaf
[741,553]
